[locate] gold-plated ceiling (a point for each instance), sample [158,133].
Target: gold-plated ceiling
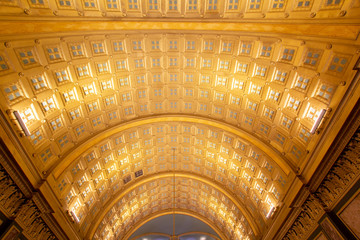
[192,196]
[270,87]
[189,9]
[195,149]
[105,107]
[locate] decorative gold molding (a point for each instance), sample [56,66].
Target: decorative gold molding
[342,175]
[15,205]
[176,211]
[327,31]
[29,209]
[347,32]
[232,197]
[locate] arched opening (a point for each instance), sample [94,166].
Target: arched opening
[185,227]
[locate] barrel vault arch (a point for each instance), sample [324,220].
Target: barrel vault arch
[250,97]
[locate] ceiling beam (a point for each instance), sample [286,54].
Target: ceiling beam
[323,30]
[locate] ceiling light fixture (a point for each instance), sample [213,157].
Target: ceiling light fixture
[318,121]
[271,211]
[73,215]
[21,123]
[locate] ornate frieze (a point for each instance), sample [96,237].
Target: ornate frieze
[311,212]
[342,175]
[11,198]
[22,210]
[339,179]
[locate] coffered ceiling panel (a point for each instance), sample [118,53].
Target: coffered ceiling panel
[67,89]
[126,109]
[191,195]
[83,93]
[205,152]
[202,9]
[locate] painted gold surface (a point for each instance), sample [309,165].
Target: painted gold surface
[318,30]
[323,40]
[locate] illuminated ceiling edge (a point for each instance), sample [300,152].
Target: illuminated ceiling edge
[93,227]
[176,211]
[321,30]
[69,158]
[338,118]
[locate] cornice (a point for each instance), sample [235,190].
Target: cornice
[31,196]
[9,164]
[324,198]
[342,140]
[18,147]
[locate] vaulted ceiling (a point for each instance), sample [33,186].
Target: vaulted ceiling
[218,109]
